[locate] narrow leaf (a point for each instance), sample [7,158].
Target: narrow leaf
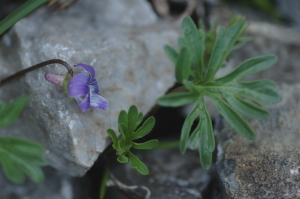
[123,118]
[195,135]
[177,99]
[132,118]
[183,66]
[186,128]
[151,144]
[222,47]
[234,119]
[171,53]
[139,119]
[260,95]
[18,14]
[195,41]
[137,164]
[9,112]
[113,135]
[246,108]
[258,84]
[248,67]
[123,130]
[144,129]
[104,179]
[206,126]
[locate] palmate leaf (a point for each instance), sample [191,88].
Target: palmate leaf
[19,156]
[127,125]
[231,96]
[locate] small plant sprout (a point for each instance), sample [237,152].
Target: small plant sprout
[228,93]
[82,86]
[127,126]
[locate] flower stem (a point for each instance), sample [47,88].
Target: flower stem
[37,66]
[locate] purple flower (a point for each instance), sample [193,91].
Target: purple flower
[83,87]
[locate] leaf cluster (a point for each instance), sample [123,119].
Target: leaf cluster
[231,96]
[127,126]
[19,156]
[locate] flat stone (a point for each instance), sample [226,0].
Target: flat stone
[269,166]
[123,40]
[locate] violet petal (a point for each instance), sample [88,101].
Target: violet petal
[88,68]
[84,104]
[78,85]
[98,102]
[94,87]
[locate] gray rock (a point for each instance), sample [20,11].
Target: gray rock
[57,185]
[269,166]
[123,41]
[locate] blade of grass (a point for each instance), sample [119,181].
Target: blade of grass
[18,14]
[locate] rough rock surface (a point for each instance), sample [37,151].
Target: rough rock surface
[269,166]
[123,40]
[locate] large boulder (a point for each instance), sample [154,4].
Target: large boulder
[123,40]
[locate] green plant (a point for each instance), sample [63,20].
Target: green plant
[127,126]
[228,93]
[18,14]
[19,156]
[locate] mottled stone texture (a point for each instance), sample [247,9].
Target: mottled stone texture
[123,41]
[269,166]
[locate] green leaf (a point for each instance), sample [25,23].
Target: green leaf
[113,135]
[248,67]
[207,125]
[132,118]
[137,164]
[223,45]
[181,42]
[258,84]
[195,135]
[246,108]
[144,129]
[122,159]
[171,53]
[105,178]
[177,99]
[234,119]
[186,128]
[183,66]
[195,41]
[123,129]
[18,14]
[9,112]
[18,156]
[151,144]
[123,118]
[139,119]
[260,95]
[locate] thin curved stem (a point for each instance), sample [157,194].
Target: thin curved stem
[37,66]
